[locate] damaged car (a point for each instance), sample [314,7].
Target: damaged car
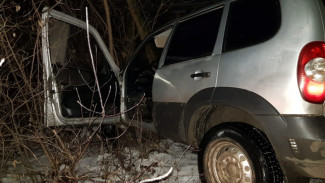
[242,80]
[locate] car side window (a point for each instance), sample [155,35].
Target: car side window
[251,22]
[194,37]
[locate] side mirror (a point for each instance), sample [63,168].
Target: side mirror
[161,39]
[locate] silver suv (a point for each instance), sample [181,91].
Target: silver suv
[243,80]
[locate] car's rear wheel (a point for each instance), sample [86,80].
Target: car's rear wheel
[226,161]
[237,155]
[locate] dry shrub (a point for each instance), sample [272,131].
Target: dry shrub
[22,129]
[23,135]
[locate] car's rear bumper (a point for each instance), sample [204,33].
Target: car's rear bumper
[306,139]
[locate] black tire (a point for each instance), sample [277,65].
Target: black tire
[238,154]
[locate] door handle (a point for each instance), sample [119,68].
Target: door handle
[200,75]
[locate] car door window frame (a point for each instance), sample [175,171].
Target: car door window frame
[47,14]
[51,104]
[134,57]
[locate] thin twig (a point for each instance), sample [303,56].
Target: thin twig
[113,114]
[93,65]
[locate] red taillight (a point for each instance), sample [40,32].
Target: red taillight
[311,78]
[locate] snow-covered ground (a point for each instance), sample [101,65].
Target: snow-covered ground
[99,165]
[178,156]
[106,167]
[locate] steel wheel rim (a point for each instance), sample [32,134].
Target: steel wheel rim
[228,162]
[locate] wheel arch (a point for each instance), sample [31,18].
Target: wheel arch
[215,107]
[226,105]
[211,116]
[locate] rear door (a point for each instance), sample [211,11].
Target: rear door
[190,66]
[73,72]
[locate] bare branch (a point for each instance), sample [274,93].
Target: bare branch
[93,66]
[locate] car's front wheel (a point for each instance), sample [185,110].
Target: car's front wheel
[237,155]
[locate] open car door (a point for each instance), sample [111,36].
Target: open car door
[71,94]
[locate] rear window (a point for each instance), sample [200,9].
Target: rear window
[251,22]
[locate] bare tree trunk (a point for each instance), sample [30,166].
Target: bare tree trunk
[109,29]
[142,30]
[137,19]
